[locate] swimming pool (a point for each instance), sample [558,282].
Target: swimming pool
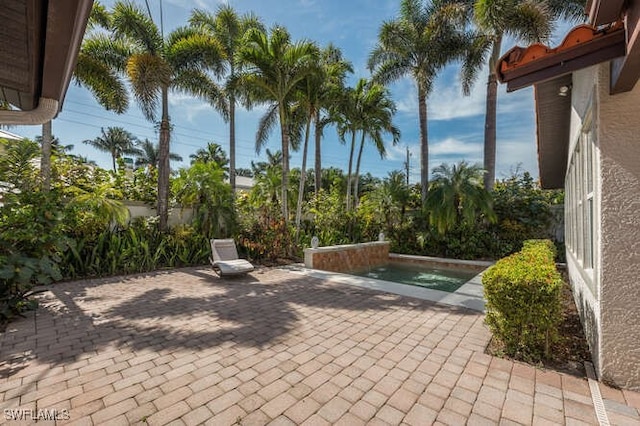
[443,279]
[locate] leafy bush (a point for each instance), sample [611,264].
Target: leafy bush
[137,248]
[31,242]
[523,300]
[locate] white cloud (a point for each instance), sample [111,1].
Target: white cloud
[453,146]
[447,102]
[188,106]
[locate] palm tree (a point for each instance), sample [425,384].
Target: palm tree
[213,153]
[376,113]
[273,159]
[116,141]
[138,52]
[420,42]
[149,154]
[333,69]
[457,196]
[527,21]
[276,67]
[228,30]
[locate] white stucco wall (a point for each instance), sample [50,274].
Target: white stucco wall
[177,215]
[611,312]
[584,98]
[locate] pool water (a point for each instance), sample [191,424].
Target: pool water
[442,279]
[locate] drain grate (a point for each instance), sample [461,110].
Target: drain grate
[596,397]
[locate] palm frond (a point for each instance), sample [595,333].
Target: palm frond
[148,74]
[267,122]
[131,21]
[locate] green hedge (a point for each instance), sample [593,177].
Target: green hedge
[523,300]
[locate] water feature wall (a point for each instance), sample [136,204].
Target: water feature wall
[347,257]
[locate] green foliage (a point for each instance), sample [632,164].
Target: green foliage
[138,248]
[523,300]
[203,188]
[456,197]
[332,224]
[31,242]
[523,211]
[264,235]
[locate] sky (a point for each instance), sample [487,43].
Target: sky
[455,122]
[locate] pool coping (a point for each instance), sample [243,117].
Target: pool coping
[469,295]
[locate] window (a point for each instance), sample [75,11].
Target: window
[580,202]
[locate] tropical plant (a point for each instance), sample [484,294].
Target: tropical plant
[228,30]
[31,242]
[137,51]
[457,197]
[528,21]
[203,188]
[420,42]
[17,169]
[149,154]
[213,153]
[376,114]
[323,91]
[116,141]
[241,171]
[275,68]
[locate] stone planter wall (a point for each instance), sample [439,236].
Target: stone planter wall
[345,258]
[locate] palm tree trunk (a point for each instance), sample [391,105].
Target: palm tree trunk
[232,142]
[424,143]
[45,160]
[318,159]
[303,176]
[284,130]
[113,161]
[357,176]
[353,144]
[163,163]
[490,119]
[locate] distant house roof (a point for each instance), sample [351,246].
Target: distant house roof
[244,182]
[8,135]
[613,34]
[40,44]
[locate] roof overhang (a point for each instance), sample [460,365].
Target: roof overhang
[553,115]
[41,40]
[604,12]
[583,46]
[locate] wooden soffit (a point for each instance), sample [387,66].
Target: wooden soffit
[603,12]
[39,48]
[583,46]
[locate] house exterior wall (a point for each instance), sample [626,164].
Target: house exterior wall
[608,292]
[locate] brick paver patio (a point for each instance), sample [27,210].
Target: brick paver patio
[186,347]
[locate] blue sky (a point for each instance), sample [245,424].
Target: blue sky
[455,122]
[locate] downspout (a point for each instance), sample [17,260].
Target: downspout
[46,110]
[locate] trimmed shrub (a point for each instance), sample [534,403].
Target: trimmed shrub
[523,300]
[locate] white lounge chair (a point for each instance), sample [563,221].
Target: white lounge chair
[225,260]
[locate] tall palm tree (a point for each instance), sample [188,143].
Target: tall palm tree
[327,88]
[457,196]
[525,20]
[137,52]
[149,154]
[116,141]
[213,153]
[228,29]
[276,67]
[376,114]
[420,42]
